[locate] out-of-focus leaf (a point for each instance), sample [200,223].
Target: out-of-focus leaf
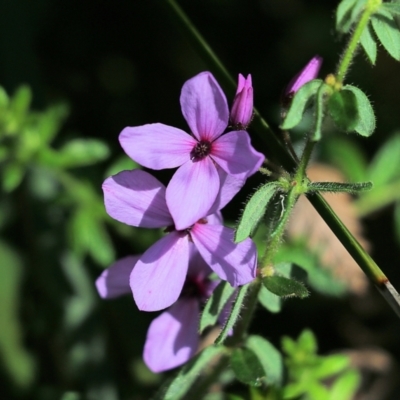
[82,152]
[49,122]
[347,14]
[393,8]
[269,300]
[385,166]
[388,32]
[269,357]
[369,44]
[4,100]
[20,102]
[254,211]
[123,163]
[345,386]
[88,234]
[247,367]
[331,365]
[215,304]
[299,102]
[307,342]
[12,175]
[16,359]
[365,125]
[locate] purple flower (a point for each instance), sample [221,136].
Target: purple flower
[242,108]
[137,198]
[172,337]
[308,73]
[197,181]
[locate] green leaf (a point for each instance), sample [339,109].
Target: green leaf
[385,166]
[270,301]
[388,32]
[366,121]
[215,305]
[331,365]
[4,100]
[123,163]
[189,374]
[307,342]
[269,357]
[13,173]
[247,367]
[285,287]
[82,152]
[342,107]
[369,44]
[345,386]
[337,187]
[49,123]
[16,360]
[343,15]
[299,102]
[393,8]
[20,102]
[237,307]
[254,211]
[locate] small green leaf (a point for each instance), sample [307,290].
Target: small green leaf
[388,32]
[369,44]
[189,374]
[343,15]
[82,152]
[342,108]
[331,365]
[13,173]
[4,100]
[385,166]
[285,287]
[307,342]
[393,8]
[345,386]
[299,102]
[20,102]
[254,211]
[49,123]
[215,304]
[366,121]
[269,357]
[247,367]
[123,163]
[270,301]
[337,187]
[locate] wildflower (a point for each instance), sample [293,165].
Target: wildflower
[197,181]
[137,198]
[308,73]
[242,107]
[172,337]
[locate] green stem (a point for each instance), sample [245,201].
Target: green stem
[351,48]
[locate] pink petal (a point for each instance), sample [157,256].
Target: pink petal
[114,281]
[158,277]
[234,153]
[136,198]
[157,146]
[204,106]
[192,191]
[235,263]
[172,338]
[229,187]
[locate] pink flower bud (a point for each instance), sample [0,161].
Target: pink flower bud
[242,108]
[308,73]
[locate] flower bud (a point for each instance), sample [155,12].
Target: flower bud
[242,107]
[308,73]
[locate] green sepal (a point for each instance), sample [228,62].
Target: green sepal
[299,102]
[388,32]
[285,287]
[366,118]
[189,374]
[215,304]
[335,187]
[368,43]
[247,367]
[269,357]
[342,107]
[237,307]
[254,211]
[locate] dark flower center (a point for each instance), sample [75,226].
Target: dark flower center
[201,150]
[195,287]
